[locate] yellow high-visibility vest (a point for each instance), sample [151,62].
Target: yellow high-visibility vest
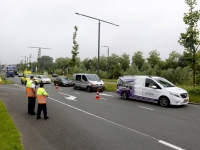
[29,92]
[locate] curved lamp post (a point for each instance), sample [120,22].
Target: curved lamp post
[98,34]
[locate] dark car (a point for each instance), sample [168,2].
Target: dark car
[62,81]
[54,75]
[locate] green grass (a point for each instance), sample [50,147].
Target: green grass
[9,136]
[5,81]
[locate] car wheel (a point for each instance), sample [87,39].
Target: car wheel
[25,82]
[55,83]
[124,95]
[74,87]
[21,82]
[164,101]
[88,89]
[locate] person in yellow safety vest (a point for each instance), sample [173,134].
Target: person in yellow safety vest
[31,94]
[41,97]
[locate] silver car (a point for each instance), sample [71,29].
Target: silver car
[44,79]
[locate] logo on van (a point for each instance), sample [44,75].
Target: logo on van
[149,93]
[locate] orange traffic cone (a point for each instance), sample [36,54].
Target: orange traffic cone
[56,86]
[97,95]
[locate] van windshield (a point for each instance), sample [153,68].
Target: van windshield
[93,77]
[165,83]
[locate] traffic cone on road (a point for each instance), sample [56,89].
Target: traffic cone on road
[56,86]
[97,95]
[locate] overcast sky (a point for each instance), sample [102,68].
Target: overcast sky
[144,25]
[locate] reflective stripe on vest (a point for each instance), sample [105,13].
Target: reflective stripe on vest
[41,96]
[41,99]
[29,92]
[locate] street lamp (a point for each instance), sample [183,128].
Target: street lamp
[107,59]
[98,34]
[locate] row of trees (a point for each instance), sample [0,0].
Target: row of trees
[175,67]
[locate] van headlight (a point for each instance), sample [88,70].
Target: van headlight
[175,94]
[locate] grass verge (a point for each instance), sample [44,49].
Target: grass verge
[9,135]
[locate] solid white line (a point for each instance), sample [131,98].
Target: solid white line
[170,145]
[103,98]
[61,89]
[160,141]
[145,108]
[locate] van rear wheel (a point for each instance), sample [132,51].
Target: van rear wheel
[124,95]
[74,87]
[88,89]
[164,101]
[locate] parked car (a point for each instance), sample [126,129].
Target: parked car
[54,75]
[43,79]
[90,82]
[25,78]
[62,81]
[152,89]
[20,74]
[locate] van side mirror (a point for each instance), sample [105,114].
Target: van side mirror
[154,87]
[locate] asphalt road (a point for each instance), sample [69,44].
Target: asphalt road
[79,122]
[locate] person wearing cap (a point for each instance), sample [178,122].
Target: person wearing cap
[31,94]
[41,97]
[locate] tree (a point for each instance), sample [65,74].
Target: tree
[74,48]
[138,59]
[124,61]
[45,62]
[172,61]
[154,58]
[190,39]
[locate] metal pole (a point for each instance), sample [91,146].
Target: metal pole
[108,62]
[98,47]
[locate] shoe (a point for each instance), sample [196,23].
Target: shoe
[46,118]
[34,114]
[38,117]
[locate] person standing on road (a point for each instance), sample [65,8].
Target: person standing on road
[31,94]
[42,96]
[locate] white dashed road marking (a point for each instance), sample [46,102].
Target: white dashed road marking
[153,138]
[145,108]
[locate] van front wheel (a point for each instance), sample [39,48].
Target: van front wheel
[164,101]
[124,95]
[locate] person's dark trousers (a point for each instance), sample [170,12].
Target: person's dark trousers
[40,108]
[31,105]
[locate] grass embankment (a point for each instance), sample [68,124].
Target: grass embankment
[5,81]
[194,93]
[9,136]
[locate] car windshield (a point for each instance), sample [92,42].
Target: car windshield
[165,83]
[93,77]
[28,75]
[44,76]
[64,78]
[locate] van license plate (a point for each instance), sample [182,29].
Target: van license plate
[99,87]
[186,100]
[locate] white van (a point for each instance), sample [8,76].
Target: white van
[151,88]
[90,82]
